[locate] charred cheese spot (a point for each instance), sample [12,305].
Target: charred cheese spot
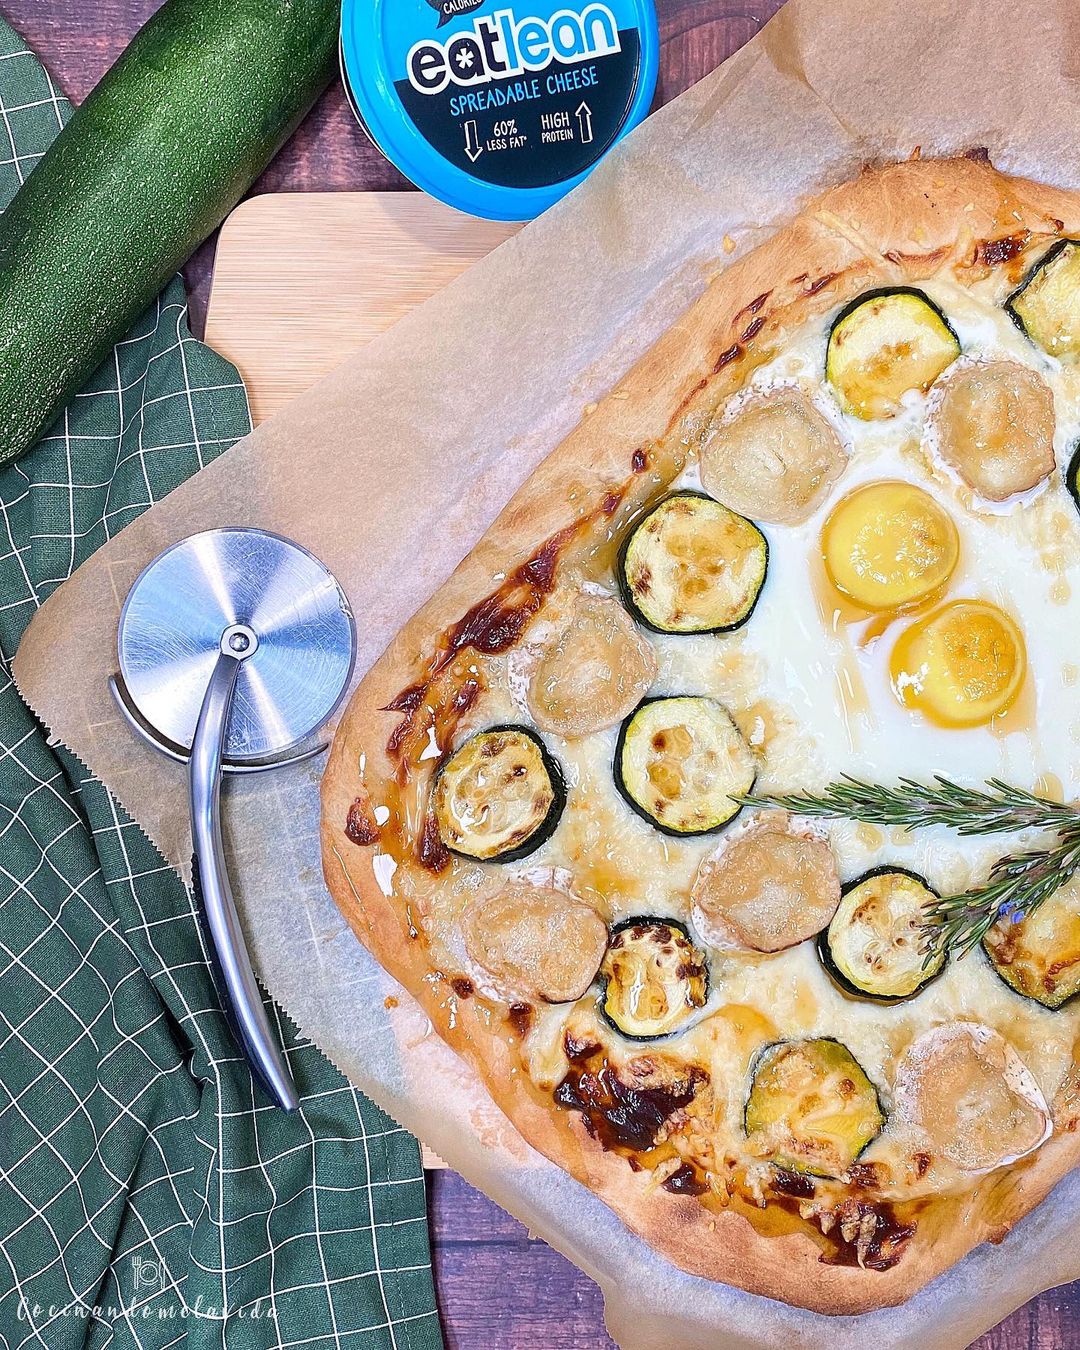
[995,428]
[535,942]
[766,890]
[774,461]
[970,1095]
[594,671]
[632,1106]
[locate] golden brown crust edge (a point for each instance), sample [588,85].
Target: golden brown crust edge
[891,225]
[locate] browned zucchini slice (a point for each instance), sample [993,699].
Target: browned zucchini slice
[654,978]
[1046,304]
[883,344]
[681,763]
[693,566]
[499,796]
[872,947]
[1039,957]
[811,1107]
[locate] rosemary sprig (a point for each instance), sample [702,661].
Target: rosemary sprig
[1000,809]
[1017,884]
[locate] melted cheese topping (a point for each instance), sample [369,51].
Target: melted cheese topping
[807,682]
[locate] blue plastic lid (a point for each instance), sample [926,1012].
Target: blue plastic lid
[499,107]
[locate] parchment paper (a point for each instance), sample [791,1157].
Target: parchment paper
[392,467]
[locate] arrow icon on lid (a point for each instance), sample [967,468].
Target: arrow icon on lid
[473,148]
[584,116]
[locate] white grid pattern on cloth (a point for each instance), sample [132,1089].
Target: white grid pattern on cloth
[129,1126]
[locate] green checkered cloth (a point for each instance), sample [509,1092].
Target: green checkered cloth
[148,1195]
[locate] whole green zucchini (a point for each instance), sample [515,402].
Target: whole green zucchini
[142,173]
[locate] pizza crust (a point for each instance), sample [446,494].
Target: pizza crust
[891,225]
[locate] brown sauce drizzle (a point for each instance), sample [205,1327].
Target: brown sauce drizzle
[863,1175]
[685,1180]
[462,986]
[520,1016]
[819,285]
[726,357]
[431,852]
[621,1115]
[754,307]
[497,621]
[995,251]
[795,1184]
[360,827]
[490,626]
[886,1245]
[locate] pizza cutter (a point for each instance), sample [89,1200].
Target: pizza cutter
[235,646]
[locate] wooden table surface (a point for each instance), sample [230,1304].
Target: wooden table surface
[497,1289]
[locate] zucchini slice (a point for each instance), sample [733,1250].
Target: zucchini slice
[654,978]
[811,1108]
[884,343]
[693,566]
[1072,476]
[680,762]
[1046,304]
[871,949]
[499,796]
[1039,957]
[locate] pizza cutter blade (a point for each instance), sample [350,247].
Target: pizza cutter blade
[235,646]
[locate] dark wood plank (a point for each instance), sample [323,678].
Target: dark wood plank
[498,1290]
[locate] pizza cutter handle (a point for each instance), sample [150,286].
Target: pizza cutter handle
[204,797]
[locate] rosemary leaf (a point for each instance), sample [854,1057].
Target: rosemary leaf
[1017,885]
[997,809]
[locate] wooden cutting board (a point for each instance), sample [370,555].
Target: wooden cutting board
[303,279]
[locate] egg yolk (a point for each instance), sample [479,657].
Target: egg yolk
[889,545]
[961,665]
